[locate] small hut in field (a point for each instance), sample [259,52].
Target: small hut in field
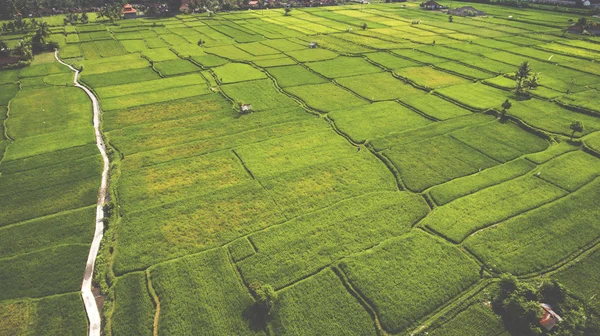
[129,12]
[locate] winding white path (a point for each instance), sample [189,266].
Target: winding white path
[86,286]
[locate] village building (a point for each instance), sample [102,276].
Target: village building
[431,5]
[129,12]
[245,108]
[550,318]
[313,45]
[466,11]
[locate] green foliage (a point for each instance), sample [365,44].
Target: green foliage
[571,171]
[175,67]
[435,106]
[149,86]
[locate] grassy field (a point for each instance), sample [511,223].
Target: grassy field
[372,185]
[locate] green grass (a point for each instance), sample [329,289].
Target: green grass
[457,188]
[430,78]
[551,117]
[46,272]
[237,72]
[390,61]
[501,141]
[477,320]
[391,276]
[302,246]
[294,75]
[312,55]
[138,75]
[379,86]
[149,86]
[376,120]
[343,66]
[202,293]
[593,142]
[160,54]
[175,67]
[579,279]
[154,97]
[436,160]
[133,308]
[74,227]
[7,92]
[9,76]
[435,106]
[586,100]
[35,112]
[320,305]
[489,206]
[518,245]
[59,314]
[241,249]
[326,97]
[572,170]
[476,96]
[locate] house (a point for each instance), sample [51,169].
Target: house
[129,12]
[431,5]
[576,29]
[466,11]
[245,108]
[550,318]
[253,4]
[313,45]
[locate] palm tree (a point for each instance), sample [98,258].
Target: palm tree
[521,75]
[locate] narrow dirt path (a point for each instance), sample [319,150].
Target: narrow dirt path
[86,286]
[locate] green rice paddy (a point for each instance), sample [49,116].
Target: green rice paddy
[372,185]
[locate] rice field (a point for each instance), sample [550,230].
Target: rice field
[351,157]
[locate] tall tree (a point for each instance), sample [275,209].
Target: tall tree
[521,76]
[505,106]
[173,6]
[576,126]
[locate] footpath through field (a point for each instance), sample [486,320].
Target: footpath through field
[86,286]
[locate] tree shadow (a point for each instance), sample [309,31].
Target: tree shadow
[257,316]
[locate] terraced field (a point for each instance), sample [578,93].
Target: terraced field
[373,185]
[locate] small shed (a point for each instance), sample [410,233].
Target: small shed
[129,12]
[466,11]
[550,318]
[313,45]
[253,3]
[245,108]
[431,5]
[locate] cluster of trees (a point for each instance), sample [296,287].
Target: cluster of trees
[10,8]
[526,79]
[518,303]
[72,18]
[30,44]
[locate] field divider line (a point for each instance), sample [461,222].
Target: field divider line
[142,269]
[369,307]
[91,307]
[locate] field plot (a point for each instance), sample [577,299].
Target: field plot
[49,177]
[517,245]
[367,185]
[376,120]
[390,277]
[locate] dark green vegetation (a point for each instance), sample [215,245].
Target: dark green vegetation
[373,189]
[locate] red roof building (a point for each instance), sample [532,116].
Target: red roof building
[129,12]
[550,318]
